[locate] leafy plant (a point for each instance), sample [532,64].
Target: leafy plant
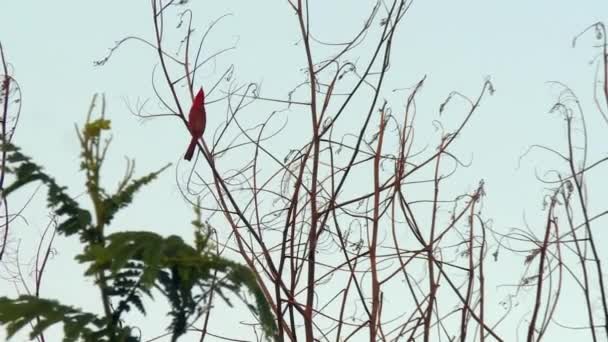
[127,266]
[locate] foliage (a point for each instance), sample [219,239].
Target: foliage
[126,265]
[76,324]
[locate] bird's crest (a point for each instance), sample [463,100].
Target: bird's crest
[199,99]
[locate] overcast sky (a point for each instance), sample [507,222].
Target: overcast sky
[520,45]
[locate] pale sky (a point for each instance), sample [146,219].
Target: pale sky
[520,45]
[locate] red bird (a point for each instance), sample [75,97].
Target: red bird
[196,122]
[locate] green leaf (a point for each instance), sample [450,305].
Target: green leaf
[138,261]
[43,313]
[124,197]
[27,172]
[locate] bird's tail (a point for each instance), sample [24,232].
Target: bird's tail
[191,148]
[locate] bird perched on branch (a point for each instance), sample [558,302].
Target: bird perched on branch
[197,119]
